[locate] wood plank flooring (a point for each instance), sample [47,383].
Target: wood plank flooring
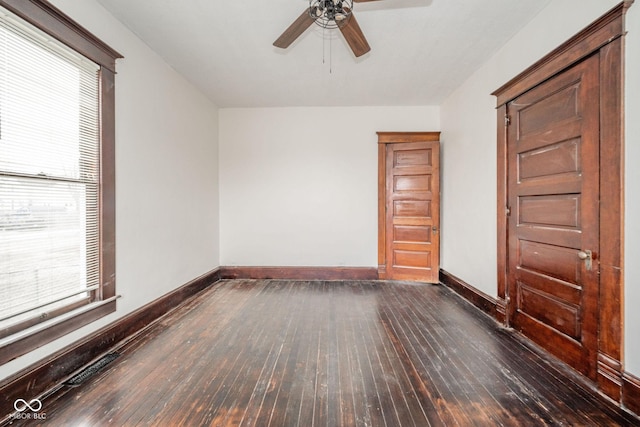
[314,353]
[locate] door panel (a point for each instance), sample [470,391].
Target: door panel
[553,193]
[412,208]
[560,210]
[412,200]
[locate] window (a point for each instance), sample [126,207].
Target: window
[56,177]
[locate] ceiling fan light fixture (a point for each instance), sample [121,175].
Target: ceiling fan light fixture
[328,13]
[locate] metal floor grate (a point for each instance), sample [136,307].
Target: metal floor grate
[91,370]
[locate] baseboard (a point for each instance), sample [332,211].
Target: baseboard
[46,375]
[476,297]
[609,376]
[501,311]
[300,273]
[631,392]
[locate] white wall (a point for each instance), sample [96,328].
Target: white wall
[632,192]
[298,186]
[469,154]
[166,176]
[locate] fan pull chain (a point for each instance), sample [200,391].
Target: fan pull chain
[324,48]
[323,43]
[330,56]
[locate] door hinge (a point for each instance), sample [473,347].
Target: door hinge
[507,120]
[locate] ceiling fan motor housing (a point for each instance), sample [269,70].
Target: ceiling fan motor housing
[329,13]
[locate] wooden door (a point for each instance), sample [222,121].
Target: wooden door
[410,237]
[553,228]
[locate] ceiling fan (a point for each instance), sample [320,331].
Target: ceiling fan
[328,14]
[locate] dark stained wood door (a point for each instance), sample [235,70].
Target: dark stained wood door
[412,206]
[553,233]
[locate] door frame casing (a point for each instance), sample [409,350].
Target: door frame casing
[604,38]
[385,138]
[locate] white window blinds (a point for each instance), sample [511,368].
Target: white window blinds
[49,177]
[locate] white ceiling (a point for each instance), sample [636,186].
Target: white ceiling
[421,50]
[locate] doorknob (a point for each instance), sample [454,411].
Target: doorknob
[434,229]
[587,256]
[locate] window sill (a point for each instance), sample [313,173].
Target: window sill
[29,339]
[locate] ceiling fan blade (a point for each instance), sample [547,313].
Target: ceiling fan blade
[294,31]
[354,36]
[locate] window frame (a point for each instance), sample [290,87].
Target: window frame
[54,22]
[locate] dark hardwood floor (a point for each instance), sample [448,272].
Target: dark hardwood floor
[313,353]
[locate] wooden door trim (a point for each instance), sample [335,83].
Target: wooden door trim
[604,37]
[503,224]
[596,35]
[385,138]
